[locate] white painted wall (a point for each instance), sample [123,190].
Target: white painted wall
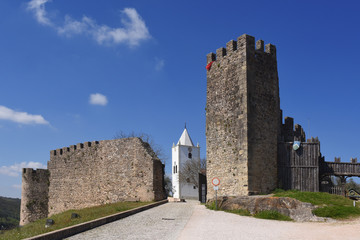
[180,154]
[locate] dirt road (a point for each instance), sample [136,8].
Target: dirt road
[190,221]
[207,224]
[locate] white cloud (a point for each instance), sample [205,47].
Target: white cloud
[133,31]
[21,117]
[159,64]
[38,8]
[98,99]
[15,170]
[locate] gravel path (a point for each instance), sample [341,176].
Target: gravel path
[207,224]
[192,221]
[163,222]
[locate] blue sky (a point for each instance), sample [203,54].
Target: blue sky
[75,71]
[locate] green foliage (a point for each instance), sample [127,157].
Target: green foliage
[63,220]
[330,205]
[241,212]
[9,212]
[272,215]
[211,206]
[278,190]
[316,198]
[352,185]
[337,212]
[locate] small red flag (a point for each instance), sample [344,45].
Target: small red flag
[209,65]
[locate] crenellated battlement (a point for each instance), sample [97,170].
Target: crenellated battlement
[73,148]
[313,140]
[31,172]
[100,172]
[242,117]
[34,195]
[289,134]
[245,43]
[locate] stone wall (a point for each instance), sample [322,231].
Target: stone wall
[242,118]
[34,195]
[96,173]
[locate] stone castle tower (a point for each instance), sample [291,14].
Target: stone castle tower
[243,118]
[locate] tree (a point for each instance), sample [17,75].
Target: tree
[351,184]
[189,172]
[168,186]
[158,151]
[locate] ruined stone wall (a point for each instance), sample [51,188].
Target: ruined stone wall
[96,173]
[34,195]
[242,118]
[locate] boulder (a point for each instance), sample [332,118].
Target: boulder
[295,209]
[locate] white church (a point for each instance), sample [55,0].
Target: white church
[182,152]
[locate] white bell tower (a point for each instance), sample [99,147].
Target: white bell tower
[183,151]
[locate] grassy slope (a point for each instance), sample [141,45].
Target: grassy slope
[9,212]
[63,220]
[333,206]
[272,215]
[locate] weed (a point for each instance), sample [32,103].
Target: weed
[241,212]
[273,215]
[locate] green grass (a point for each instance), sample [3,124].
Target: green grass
[241,212]
[316,198]
[337,212]
[272,215]
[330,205]
[63,220]
[211,206]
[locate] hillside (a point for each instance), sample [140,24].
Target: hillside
[9,212]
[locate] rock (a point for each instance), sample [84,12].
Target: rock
[49,222]
[295,209]
[75,215]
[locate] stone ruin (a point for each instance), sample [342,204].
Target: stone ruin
[248,146]
[90,174]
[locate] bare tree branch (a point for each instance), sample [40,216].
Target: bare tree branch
[158,151]
[189,172]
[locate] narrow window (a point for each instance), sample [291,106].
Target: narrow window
[189,155]
[174,169]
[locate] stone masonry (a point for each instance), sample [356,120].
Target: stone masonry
[34,197]
[242,118]
[96,173]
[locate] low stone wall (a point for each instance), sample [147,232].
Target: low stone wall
[82,227]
